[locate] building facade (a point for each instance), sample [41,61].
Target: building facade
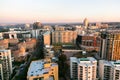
[109,70]
[47,38]
[48,51]
[59,28]
[5,64]
[89,42]
[83,68]
[110,46]
[64,36]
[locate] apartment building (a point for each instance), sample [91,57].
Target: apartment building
[42,70]
[89,42]
[5,64]
[110,46]
[83,68]
[48,51]
[65,36]
[109,70]
[47,38]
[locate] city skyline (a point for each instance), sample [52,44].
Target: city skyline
[50,11]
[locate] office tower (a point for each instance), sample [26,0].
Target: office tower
[109,70]
[83,68]
[64,36]
[110,46]
[85,23]
[5,64]
[42,70]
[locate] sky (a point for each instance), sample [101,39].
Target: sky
[52,11]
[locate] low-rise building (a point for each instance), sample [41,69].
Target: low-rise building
[4,43]
[42,70]
[30,43]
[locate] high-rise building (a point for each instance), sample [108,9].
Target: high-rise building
[109,70]
[83,68]
[85,22]
[110,46]
[47,38]
[5,64]
[37,25]
[42,70]
[65,36]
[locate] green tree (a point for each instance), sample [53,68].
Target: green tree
[63,66]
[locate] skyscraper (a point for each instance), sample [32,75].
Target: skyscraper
[85,22]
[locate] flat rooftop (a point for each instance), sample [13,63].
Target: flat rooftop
[37,68]
[84,59]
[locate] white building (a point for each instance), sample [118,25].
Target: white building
[109,70]
[5,64]
[83,68]
[48,52]
[1,35]
[36,32]
[42,70]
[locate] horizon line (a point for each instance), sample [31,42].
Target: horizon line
[57,22]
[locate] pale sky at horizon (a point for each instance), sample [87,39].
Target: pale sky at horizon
[29,11]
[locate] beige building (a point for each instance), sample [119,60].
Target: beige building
[47,27]
[42,70]
[4,43]
[85,23]
[47,38]
[30,43]
[83,68]
[64,36]
[109,70]
[19,54]
[59,28]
